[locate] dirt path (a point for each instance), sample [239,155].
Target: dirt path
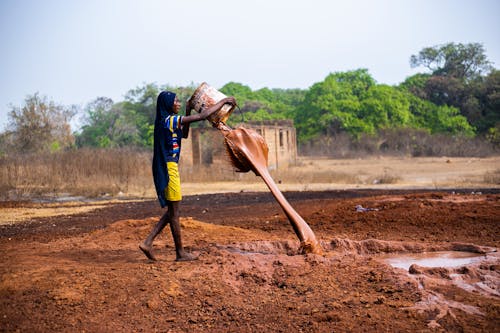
[85,273]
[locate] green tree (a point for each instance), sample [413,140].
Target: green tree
[126,130]
[246,98]
[263,104]
[456,80]
[98,123]
[438,118]
[111,124]
[241,92]
[416,84]
[335,105]
[384,107]
[352,102]
[488,97]
[143,99]
[462,61]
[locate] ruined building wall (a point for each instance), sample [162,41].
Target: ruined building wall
[280,137]
[205,146]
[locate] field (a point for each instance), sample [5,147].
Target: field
[127,173]
[376,173]
[74,266]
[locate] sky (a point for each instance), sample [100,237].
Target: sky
[75,51]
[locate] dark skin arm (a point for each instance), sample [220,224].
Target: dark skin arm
[206,112]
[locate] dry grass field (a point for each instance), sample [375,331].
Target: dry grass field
[127,173]
[375,173]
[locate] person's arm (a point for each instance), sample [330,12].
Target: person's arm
[205,112]
[185,127]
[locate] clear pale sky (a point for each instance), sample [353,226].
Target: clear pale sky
[74,51]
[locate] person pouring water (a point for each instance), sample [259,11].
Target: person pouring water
[170,128]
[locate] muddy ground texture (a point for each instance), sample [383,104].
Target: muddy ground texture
[85,272]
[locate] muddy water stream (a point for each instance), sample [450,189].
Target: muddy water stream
[248,151]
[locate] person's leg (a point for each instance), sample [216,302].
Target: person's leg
[174,197]
[175,227]
[147,245]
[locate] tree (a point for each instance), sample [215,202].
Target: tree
[241,92]
[40,125]
[416,84]
[384,107]
[457,80]
[144,100]
[335,105]
[352,102]
[488,97]
[438,118]
[263,104]
[98,123]
[112,125]
[462,61]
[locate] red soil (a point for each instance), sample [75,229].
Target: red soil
[85,272]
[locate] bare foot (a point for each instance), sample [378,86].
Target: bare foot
[147,251]
[186,257]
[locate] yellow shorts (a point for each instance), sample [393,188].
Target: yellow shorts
[173,190]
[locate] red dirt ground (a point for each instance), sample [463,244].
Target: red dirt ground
[84,273]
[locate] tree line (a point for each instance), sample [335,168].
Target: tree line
[458,95]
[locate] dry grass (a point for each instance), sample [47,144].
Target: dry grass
[127,172]
[492,177]
[84,172]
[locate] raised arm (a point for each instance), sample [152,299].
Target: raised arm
[205,112]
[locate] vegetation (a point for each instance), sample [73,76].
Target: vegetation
[38,126]
[458,97]
[85,171]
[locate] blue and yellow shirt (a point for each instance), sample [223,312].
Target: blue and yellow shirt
[173,137]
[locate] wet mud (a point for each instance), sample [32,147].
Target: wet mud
[85,273]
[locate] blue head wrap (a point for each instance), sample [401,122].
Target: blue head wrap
[164,108]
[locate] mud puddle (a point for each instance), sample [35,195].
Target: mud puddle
[433,259]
